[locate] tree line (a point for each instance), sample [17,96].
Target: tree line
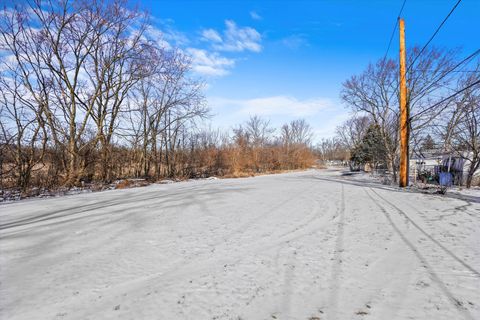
[87,94]
[444,101]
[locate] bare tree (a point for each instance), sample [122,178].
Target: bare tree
[258,133]
[301,132]
[22,130]
[118,61]
[372,93]
[258,130]
[351,132]
[332,149]
[375,93]
[164,103]
[25,92]
[87,93]
[464,133]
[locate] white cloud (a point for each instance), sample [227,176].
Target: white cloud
[177,37]
[155,35]
[234,38]
[166,34]
[273,106]
[330,124]
[255,16]
[211,35]
[323,114]
[208,63]
[204,63]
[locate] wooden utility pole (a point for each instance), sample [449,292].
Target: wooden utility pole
[404,114]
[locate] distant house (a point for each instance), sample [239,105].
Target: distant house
[431,162]
[426,160]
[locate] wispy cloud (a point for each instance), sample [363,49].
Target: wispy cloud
[255,16]
[211,35]
[166,35]
[171,34]
[273,106]
[177,37]
[234,38]
[295,41]
[154,34]
[209,63]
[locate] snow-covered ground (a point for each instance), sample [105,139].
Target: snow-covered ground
[305,245]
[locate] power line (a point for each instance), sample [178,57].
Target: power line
[448,98]
[393,31]
[443,75]
[435,33]
[409,69]
[391,38]
[457,71]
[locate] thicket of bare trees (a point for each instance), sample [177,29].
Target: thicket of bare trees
[87,95]
[457,128]
[438,118]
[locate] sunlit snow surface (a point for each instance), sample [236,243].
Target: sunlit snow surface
[307,245]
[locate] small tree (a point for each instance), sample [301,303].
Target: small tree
[371,150]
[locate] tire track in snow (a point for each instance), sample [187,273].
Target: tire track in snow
[211,263]
[306,227]
[433,275]
[389,290]
[242,229]
[436,242]
[337,258]
[313,223]
[307,221]
[432,222]
[96,205]
[124,203]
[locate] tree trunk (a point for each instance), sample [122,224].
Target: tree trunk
[105,162]
[474,164]
[72,163]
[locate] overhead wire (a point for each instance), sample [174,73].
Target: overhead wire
[434,34]
[448,98]
[443,75]
[409,68]
[393,31]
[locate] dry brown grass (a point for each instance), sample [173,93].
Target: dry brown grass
[229,161]
[238,175]
[124,184]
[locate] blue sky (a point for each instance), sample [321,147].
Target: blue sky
[287,59]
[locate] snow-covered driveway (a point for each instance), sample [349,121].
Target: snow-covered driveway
[308,245]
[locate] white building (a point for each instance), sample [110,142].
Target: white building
[434,161]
